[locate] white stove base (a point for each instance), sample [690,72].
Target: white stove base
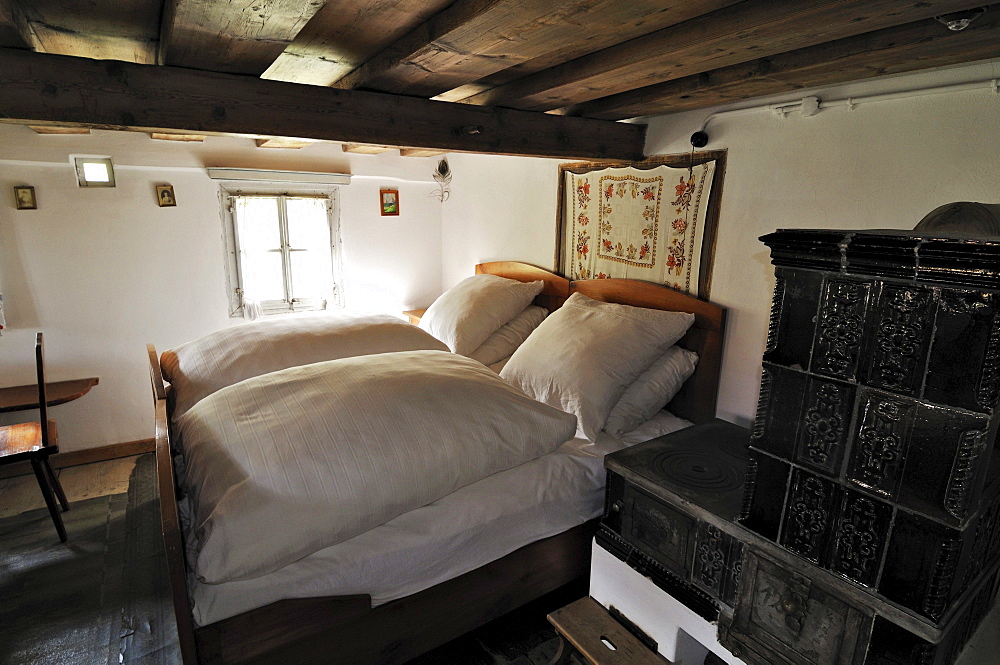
[682,636]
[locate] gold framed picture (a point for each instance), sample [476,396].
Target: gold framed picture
[24,197]
[165,196]
[389,199]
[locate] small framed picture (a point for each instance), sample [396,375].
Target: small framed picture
[165,196]
[390,201]
[25,198]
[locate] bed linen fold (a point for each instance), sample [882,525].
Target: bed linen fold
[311,456]
[200,367]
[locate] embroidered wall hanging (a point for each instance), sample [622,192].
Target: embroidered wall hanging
[653,220]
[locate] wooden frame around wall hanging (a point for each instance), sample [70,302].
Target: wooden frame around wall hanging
[654,220]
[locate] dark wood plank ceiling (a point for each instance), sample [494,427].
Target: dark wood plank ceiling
[600,59]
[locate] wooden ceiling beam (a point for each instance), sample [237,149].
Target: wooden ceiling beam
[238,38]
[282,142]
[477,39]
[120,30]
[15,30]
[171,136]
[892,51]
[735,34]
[55,130]
[440,25]
[50,89]
[366,148]
[420,152]
[344,34]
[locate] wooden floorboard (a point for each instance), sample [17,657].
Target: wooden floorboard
[102,597]
[19,494]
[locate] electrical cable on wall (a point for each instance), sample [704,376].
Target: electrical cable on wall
[809,106]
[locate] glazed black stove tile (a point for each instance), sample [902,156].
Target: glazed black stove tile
[875,435]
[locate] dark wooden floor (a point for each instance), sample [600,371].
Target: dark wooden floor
[100,598]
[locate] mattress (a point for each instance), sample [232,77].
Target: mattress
[460,532]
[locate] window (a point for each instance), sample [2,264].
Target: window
[283,250]
[94,171]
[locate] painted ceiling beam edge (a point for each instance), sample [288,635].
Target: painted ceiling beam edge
[52,89]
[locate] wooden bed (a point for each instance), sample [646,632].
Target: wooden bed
[346,629]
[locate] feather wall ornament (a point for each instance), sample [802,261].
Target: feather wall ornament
[442,176]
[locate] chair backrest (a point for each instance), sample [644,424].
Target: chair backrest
[43,407]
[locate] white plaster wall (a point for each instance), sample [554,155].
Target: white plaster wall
[500,208]
[104,271]
[882,165]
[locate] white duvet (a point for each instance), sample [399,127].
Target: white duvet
[287,463]
[200,367]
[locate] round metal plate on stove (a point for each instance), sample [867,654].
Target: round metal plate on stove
[699,471]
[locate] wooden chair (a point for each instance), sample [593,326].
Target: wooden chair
[35,442]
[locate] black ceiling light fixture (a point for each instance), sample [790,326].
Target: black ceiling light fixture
[960,20]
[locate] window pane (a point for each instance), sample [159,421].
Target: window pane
[96,172]
[262,276]
[257,218]
[308,224]
[309,238]
[311,274]
[260,245]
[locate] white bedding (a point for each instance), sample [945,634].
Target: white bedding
[317,454]
[201,367]
[451,536]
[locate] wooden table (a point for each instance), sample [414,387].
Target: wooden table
[21,398]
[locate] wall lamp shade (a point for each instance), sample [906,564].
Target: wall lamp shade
[263,175]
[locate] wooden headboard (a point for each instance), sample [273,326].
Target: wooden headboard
[554,292]
[697,399]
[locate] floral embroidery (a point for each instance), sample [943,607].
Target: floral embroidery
[637,227]
[676,259]
[684,191]
[582,245]
[583,193]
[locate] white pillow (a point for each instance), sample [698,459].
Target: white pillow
[585,355]
[652,390]
[475,308]
[511,335]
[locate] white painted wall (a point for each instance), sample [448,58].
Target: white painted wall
[500,208]
[882,165]
[104,271]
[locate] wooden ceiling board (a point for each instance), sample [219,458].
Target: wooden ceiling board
[48,89]
[515,38]
[344,34]
[238,38]
[15,32]
[732,35]
[125,30]
[902,49]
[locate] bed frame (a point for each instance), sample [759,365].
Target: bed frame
[346,629]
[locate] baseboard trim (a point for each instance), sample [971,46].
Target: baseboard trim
[86,456]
